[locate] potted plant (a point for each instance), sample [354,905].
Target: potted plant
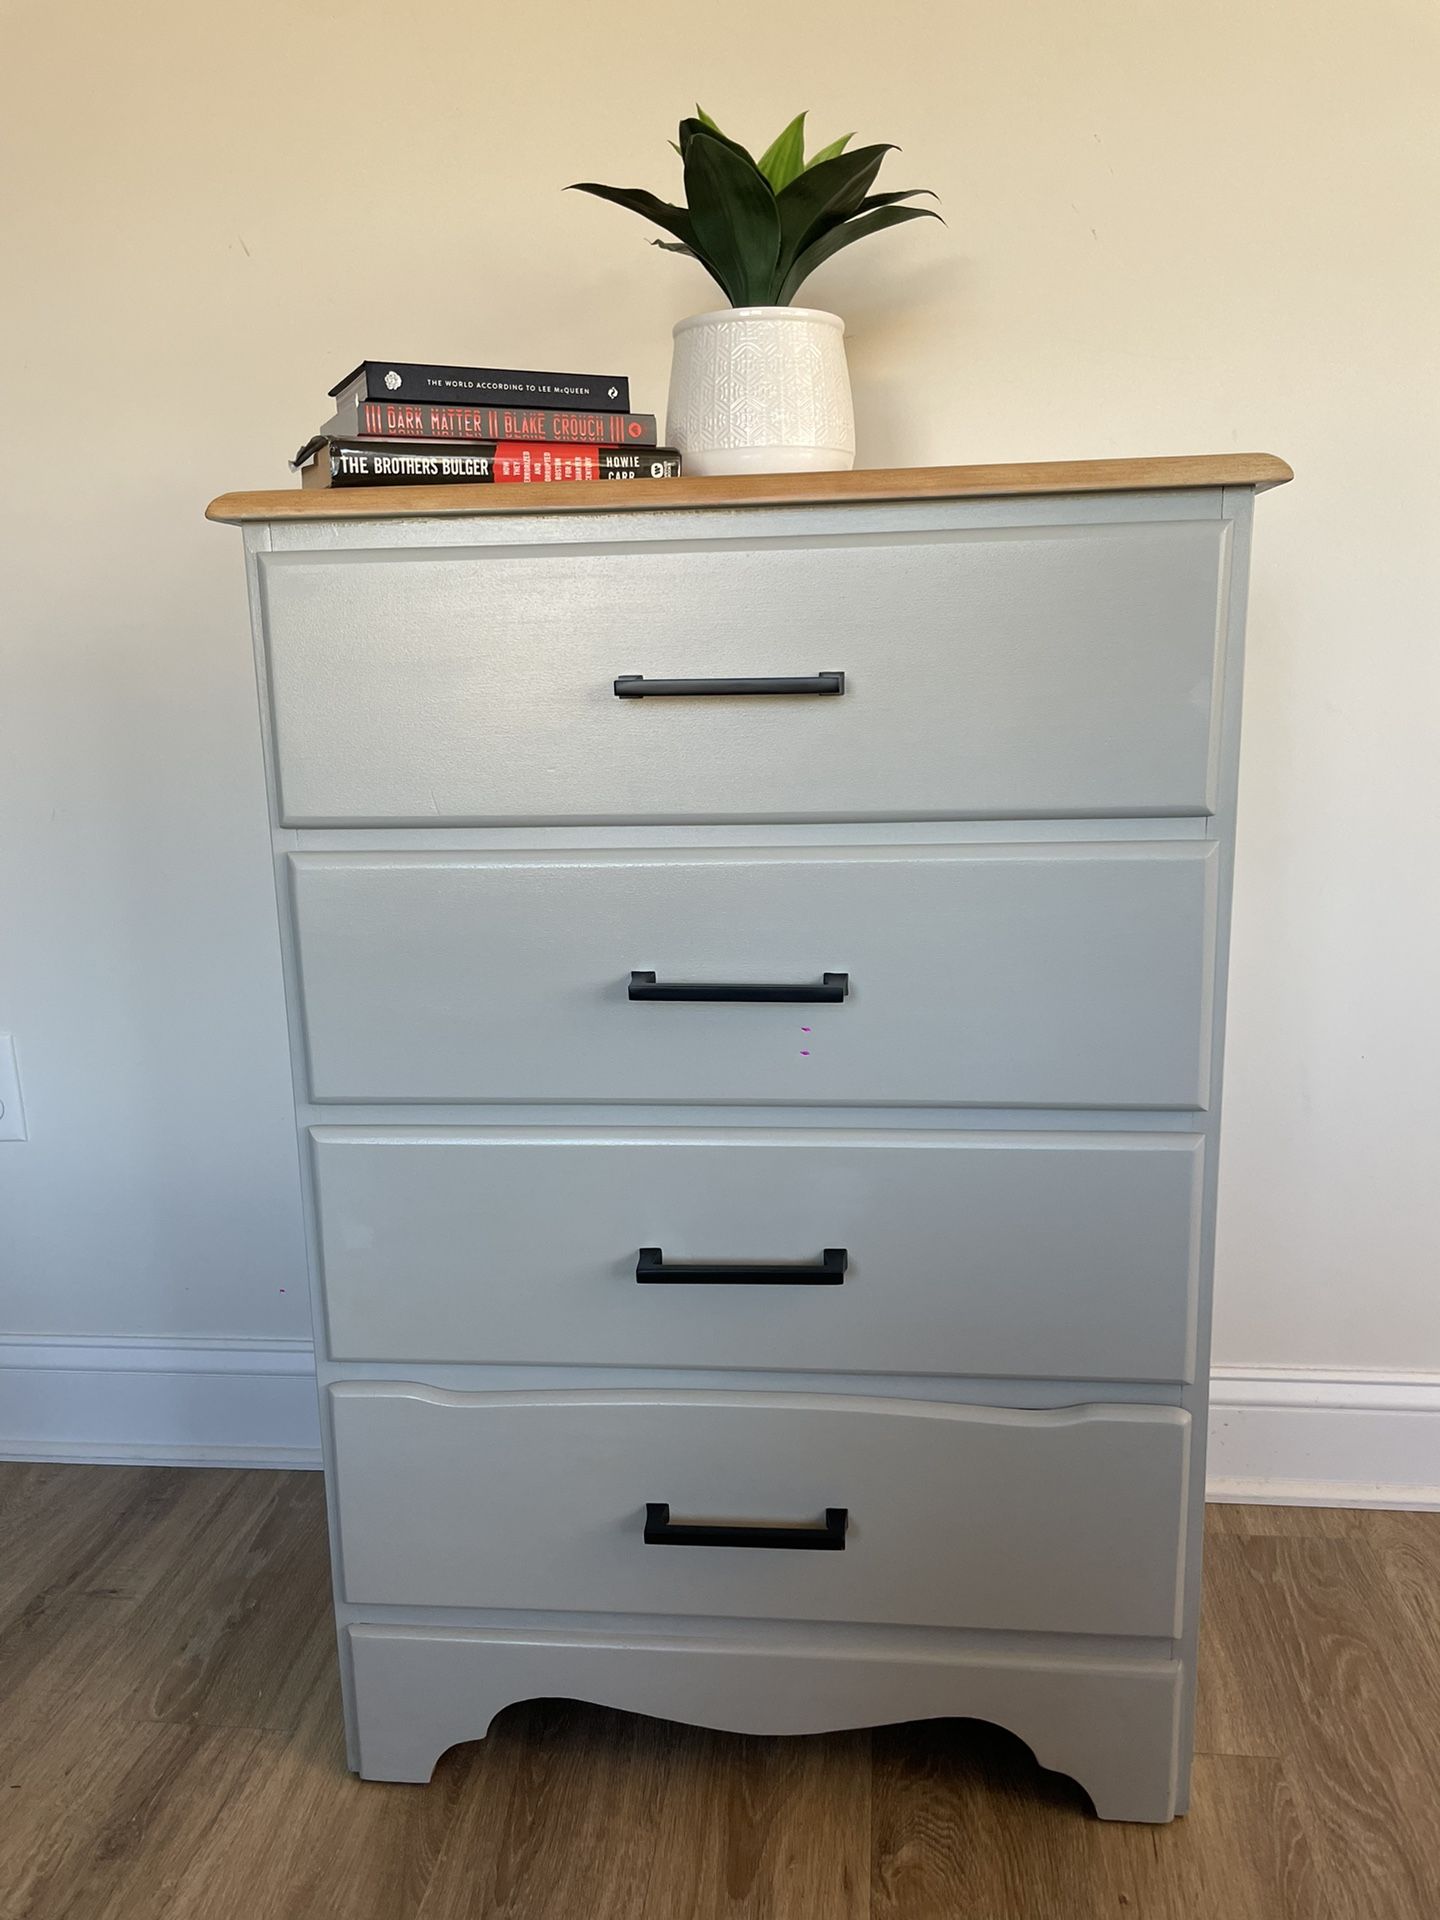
[762,386]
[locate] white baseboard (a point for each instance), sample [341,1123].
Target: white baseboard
[1286,1436]
[1338,1437]
[190,1403]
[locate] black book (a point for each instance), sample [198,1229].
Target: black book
[328,462]
[495,386]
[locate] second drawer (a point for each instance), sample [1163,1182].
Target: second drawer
[990,975]
[1068,1256]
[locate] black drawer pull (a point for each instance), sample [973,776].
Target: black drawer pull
[662,1531]
[634,686]
[650,1270]
[644,986]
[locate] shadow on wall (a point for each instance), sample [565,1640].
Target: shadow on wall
[888,317]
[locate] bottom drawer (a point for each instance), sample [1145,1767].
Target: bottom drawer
[1067,1521]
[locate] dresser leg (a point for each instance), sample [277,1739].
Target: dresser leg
[1111,1725]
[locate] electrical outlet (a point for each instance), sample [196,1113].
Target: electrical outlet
[12,1113]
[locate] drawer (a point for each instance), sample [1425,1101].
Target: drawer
[1009,975]
[1065,1522]
[1041,670]
[1049,1255]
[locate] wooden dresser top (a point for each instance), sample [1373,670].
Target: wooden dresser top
[1258,470]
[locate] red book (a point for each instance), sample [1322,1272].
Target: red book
[452,420]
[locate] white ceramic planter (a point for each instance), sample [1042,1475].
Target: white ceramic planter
[761,390]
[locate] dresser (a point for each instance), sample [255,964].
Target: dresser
[755,957]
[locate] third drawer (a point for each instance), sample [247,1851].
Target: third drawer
[1046,1255]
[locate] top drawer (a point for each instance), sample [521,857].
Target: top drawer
[1040,670]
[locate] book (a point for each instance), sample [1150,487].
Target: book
[499,386]
[442,420]
[328,462]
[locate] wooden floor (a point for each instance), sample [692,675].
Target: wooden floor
[170,1746]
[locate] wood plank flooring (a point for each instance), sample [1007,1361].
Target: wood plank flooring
[170,1750]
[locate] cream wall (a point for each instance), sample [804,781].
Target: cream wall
[1174,225]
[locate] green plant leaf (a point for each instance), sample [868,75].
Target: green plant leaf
[705,120]
[844,234]
[785,156]
[675,246]
[689,129]
[835,148]
[674,220]
[873,200]
[823,194]
[735,226]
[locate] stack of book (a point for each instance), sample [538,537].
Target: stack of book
[399,424]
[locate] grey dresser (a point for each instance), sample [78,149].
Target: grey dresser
[755,957]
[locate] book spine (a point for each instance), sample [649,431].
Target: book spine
[429,420]
[363,463]
[489,386]
[526,460]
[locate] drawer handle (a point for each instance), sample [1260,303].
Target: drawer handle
[662,1531]
[644,986]
[650,1270]
[634,686]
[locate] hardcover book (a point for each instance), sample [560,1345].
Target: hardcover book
[442,420]
[499,386]
[327,462]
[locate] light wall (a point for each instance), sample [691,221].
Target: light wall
[1181,226]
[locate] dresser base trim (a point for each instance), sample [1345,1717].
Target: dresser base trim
[1112,1726]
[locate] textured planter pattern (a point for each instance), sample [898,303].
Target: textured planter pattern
[761,390]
